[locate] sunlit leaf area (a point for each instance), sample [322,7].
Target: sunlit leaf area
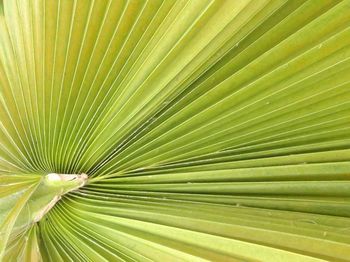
[174,130]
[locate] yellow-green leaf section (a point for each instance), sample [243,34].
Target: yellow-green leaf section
[210,130]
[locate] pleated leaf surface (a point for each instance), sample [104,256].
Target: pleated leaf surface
[211,130]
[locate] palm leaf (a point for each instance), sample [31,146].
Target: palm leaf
[209,130]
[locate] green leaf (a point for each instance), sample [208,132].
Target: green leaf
[210,130]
